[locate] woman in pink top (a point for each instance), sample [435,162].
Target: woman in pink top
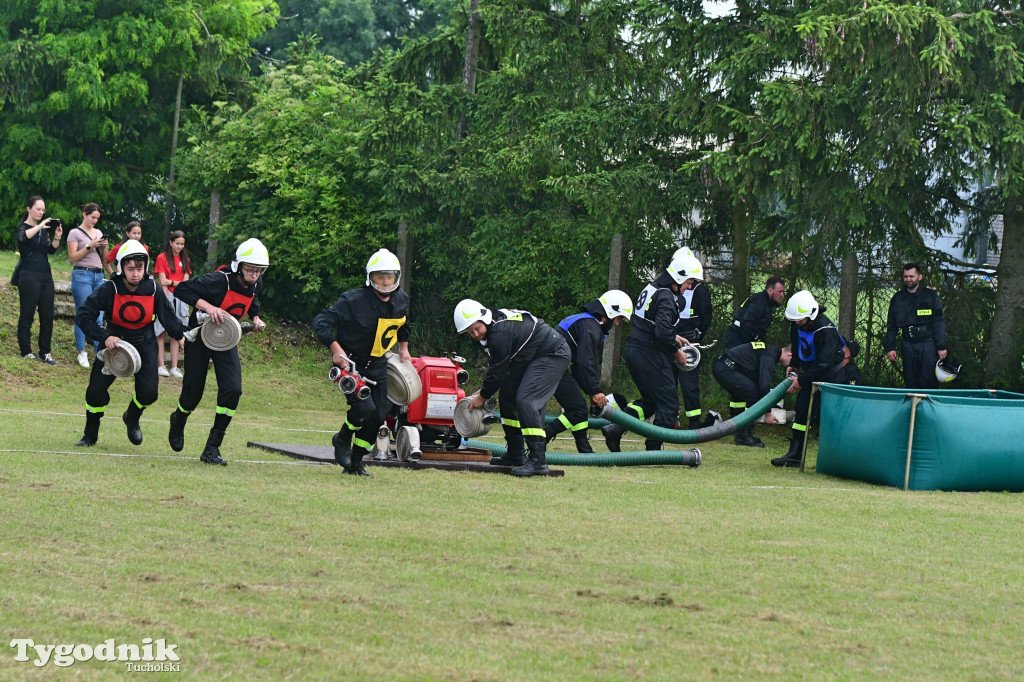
[173,266]
[87,251]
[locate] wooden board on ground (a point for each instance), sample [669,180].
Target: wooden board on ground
[325,455]
[460,455]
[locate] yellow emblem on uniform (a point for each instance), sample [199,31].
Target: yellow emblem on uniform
[386,336]
[757,345]
[926,311]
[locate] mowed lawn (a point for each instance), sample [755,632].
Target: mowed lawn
[273,569]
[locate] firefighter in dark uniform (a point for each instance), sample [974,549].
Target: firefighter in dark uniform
[817,355]
[129,302]
[848,372]
[745,371]
[584,333]
[915,312]
[752,319]
[360,328]
[653,344]
[694,322]
[218,294]
[527,360]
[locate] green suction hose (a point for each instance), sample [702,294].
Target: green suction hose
[718,430]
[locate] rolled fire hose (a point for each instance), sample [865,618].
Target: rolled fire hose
[124,363]
[691,458]
[473,423]
[404,385]
[717,430]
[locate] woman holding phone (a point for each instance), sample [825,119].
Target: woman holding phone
[87,251]
[37,239]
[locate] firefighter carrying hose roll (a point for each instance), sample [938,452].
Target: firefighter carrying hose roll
[584,333]
[527,360]
[360,328]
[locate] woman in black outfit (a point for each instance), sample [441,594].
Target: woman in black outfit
[35,280]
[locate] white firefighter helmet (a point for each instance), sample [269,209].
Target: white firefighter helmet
[684,251]
[131,249]
[383,261]
[685,266]
[946,371]
[616,304]
[469,311]
[801,305]
[251,252]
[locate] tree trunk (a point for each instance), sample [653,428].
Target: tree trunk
[740,254]
[405,255]
[469,67]
[1006,342]
[169,212]
[613,340]
[848,296]
[211,244]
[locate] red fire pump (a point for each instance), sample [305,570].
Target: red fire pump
[428,422]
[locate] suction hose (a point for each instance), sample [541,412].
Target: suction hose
[594,422]
[717,430]
[690,458]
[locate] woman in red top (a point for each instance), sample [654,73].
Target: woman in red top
[132,230]
[173,266]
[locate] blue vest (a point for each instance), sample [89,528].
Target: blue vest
[572,319]
[805,340]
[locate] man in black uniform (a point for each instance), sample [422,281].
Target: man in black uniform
[359,329]
[752,319]
[527,360]
[745,371]
[817,356]
[694,321]
[218,294]
[654,345]
[584,332]
[916,311]
[848,372]
[129,303]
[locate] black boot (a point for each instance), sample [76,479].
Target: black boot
[211,453]
[536,464]
[92,429]
[131,421]
[746,438]
[582,442]
[343,448]
[176,434]
[792,458]
[695,423]
[356,467]
[515,450]
[613,437]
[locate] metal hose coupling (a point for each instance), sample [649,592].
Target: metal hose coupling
[350,382]
[691,458]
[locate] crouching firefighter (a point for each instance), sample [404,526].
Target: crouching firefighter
[527,360]
[584,333]
[359,329]
[817,356]
[129,302]
[745,372]
[218,294]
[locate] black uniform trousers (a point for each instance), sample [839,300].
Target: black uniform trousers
[919,358]
[228,370]
[653,372]
[740,387]
[689,384]
[524,396]
[97,395]
[365,416]
[576,415]
[35,291]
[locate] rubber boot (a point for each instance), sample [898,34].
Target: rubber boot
[92,429]
[613,437]
[582,442]
[131,421]
[694,423]
[536,464]
[515,451]
[746,438]
[792,458]
[211,453]
[342,442]
[356,467]
[176,434]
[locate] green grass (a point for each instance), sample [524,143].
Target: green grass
[271,569]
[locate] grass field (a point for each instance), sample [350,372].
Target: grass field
[272,569]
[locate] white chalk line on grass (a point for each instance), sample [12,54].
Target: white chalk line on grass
[128,455]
